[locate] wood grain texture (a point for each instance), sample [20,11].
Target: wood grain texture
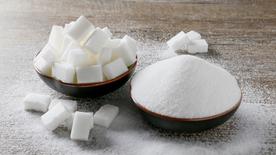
[241,35]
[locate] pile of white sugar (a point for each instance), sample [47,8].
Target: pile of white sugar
[185,87]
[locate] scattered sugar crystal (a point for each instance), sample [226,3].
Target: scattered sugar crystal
[37,102]
[178,42]
[64,72]
[193,35]
[69,104]
[89,74]
[114,68]
[55,116]
[105,115]
[82,123]
[96,41]
[107,31]
[80,29]
[198,46]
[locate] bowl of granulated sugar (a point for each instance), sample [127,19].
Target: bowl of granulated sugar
[186,94]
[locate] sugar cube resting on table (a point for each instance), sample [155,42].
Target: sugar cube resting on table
[114,68]
[82,124]
[89,74]
[64,72]
[198,46]
[69,104]
[193,35]
[37,102]
[178,42]
[55,116]
[105,115]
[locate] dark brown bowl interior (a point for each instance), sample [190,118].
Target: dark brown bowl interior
[188,125]
[87,89]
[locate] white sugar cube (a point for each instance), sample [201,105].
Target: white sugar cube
[69,104]
[126,52]
[64,72]
[80,29]
[43,66]
[198,46]
[72,45]
[113,43]
[78,57]
[48,53]
[105,115]
[82,123]
[96,42]
[89,74]
[69,121]
[178,42]
[131,42]
[37,102]
[68,26]
[55,116]
[56,37]
[105,56]
[192,35]
[114,68]
[107,31]
[67,41]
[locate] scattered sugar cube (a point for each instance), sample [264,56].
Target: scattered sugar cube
[56,37]
[105,115]
[198,46]
[69,122]
[78,57]
[48,53]
[192,35]
[64,72]
[82,123]
[43,66]
[107,31]
[80,29]
[131,42]
[105,56]
[114,69]
[69,104]
[37,102]
[126,52]
[89,74]
[96,41]
[178,42]
[55,116]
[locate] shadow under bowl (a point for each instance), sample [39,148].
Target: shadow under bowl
[88,89]
[187,125]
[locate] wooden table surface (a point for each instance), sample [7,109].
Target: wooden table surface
[241,37]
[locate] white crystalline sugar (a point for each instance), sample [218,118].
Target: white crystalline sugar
[64,72]
[193,35]
[70,46]
[69,104]
[78,57]
[68,123]
[105,115]
[37,102]
[114,68]
[107,31]
[127,51]
[178,42]
[105,56]
[96,42]
[55,116]
[89,74]
[198,46]
[67,44]
[43,66]
[82,123]
[81,28]
[185,87]
[48,53]
[56,37]
[131,42]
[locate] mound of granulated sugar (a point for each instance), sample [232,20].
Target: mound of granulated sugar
[185,87]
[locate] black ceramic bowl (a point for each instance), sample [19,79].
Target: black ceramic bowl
[188,125]
[87,89]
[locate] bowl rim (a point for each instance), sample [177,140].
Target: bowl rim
[92,84]
[176,119]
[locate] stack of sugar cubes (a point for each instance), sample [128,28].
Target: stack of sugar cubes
[190,42]
[81,53]
[63,113]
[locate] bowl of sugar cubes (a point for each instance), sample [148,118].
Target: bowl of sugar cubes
[82,60]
